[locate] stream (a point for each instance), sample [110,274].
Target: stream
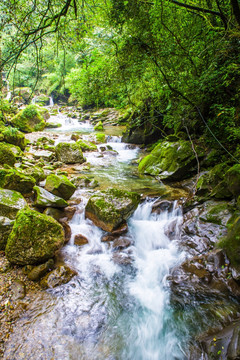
[118,306]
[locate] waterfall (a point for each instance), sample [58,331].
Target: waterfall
[51,102]
[9,94]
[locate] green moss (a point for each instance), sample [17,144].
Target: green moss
[69,153]
[171,161]
[100,138]
[10,203]
[6,155]
[232,179]
[231,243]
[34,238]
[15,137]
[15,180]
[29,119]
[98,126]
[36,172]
[86,146]
[60,185]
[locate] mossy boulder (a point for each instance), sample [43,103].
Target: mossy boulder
[212,183]
[171,161]
[86,145]
[44,198]
[15,137]
[232,179]
[34,238]
[231,243]
[35,172]
[85,181]
[44,112]
[6,225]
[60,185]
[69,153]
[100,138]
[7,155]
[10,203]
[216,212]
[29,120]
[109,209]
[98,126]
[15,180]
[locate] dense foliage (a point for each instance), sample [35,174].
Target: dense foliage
[173,63]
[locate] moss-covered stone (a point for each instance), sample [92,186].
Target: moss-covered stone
[212,183]
[14,137]
[111,208]
[232,179]
[37,272]
[171,161]
[98,126]
[36,172]
[231,243]
[216,212]
[100,138]
[44,198]
[69,153]
[6,155]
[5,228]
[86,146]
[10,203]
[15,180]
[84,181]
[42,99]
[34,238]
[29,120]
[60,185]
[44,112]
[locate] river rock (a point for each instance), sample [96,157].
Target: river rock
[86,145]
[232,179]
[121,243]
[223,344]
[34,238]
[35,172]
[85,181]
[231,243]
[109,209]
[29,119]
[37,272]
[54,212]
[18,288]
[15,180]
[10,203]
[80,239]
[171,161]
[69,153]
[14,137]
[98,126]
[59,276]
[7,156]
[5,228]
[66,228]
[44,198]
[69,212]
[60,185]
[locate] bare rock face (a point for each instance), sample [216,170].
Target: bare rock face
[80,239]
[109,209]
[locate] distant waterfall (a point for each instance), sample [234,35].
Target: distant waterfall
[51,102]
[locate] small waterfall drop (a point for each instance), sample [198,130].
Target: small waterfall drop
[51,102]
[9,94]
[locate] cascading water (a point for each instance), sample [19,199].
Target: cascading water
[108,311]
[51,102]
